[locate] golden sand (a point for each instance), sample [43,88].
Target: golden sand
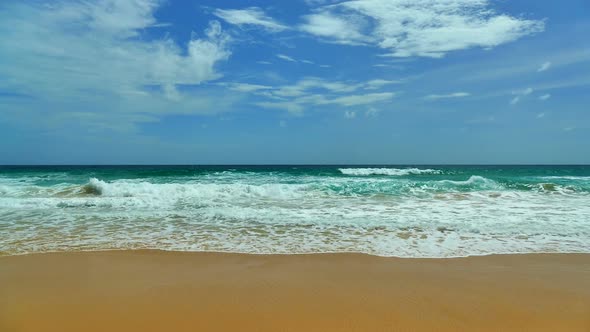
[170,291]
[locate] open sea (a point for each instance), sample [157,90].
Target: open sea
[403,211]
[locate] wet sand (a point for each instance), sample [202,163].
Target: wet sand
[172,291]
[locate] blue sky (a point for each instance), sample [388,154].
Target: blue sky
[315,81]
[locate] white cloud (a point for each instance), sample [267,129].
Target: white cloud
[544,66]
[311,92]
[540,115]
[245,87]
[99,52]
[417,28]
[104,65]
[319,2]
[286,58]
[379,83]
[545,97]
[447,96]
[298,102]
[264,62]
[250,16]
[303,86]
[520,94]
[292,59]
[364,99]
[287,106]
[519,65]
[306,85]
[335,28]
[350,114]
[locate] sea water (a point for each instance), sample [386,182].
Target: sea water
[403,211]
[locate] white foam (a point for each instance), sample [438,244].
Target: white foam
[164,191]
[387,171]
[576,178]
[475,180]
[262,215]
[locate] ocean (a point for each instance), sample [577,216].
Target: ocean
[401,211]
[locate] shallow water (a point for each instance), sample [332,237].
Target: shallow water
[405,211]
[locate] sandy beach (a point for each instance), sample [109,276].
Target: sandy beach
[173,291]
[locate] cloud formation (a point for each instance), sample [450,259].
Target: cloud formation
[100,54]
[520,94]
[544,66]
[252,16]
[447,96]
[92,63]
[379,83]
[405,28]
[335,28]
[544,97]
[313,92]
[286,58]
[350,114]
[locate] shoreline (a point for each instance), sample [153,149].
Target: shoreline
[156,290]
[214,252]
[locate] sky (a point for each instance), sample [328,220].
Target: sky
[295,82]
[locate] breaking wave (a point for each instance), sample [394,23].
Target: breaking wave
[387,171]
[409,212]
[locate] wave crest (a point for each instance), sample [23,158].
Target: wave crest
[475,181]
[93,187]
[171,191]
[387,171]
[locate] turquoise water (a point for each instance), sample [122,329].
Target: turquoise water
[405,211]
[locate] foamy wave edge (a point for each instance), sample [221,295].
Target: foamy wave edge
[387,171]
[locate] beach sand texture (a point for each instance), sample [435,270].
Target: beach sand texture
[175,291]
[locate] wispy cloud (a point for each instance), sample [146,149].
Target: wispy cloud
[544,97]
[286,58]
[335,28]
[292,59]
[520,94]
[388,65]
[350,114]
[544,66]
[299,104]
[447,96]
[379,83]
[92,50]
[364,99]
[309,84]
[312,91]
[252,16]
[245,87]
[103,28]
[414,28]
[521,65]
